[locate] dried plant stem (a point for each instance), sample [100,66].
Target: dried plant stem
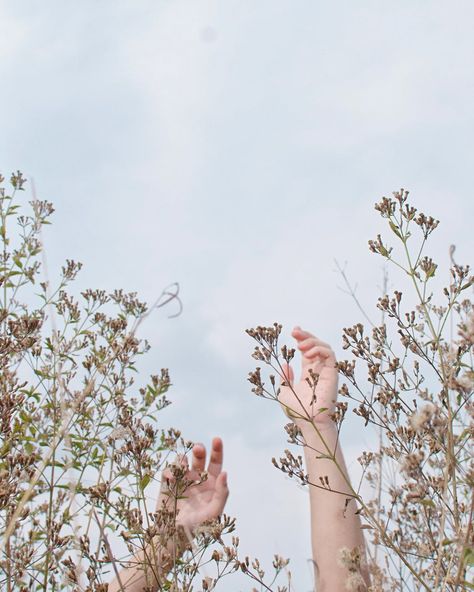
[380,431]
[450,472]
[40,470]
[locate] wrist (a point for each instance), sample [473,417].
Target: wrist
[310,414]
[315,432]
[185,533]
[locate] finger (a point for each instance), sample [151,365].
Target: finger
[182,460]
[168,472]
[307,342]
[166,480]
[319,351]
[298,333]
[167,475]
[221,493]
[199,458]
[287,375]
[317,354]
[217,457]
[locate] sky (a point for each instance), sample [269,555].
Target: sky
[238,148]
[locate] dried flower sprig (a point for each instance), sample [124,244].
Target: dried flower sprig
[81,446]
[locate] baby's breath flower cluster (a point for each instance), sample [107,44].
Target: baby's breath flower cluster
[81,447]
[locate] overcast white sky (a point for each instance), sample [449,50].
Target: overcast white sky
[237,147]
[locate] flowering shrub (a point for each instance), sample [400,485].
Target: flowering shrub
[412,379]
[80,445]
[81,448]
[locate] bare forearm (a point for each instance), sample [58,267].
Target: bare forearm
[334,522]
[149,568]
[133,578]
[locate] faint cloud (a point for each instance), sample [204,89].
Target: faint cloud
[208,34]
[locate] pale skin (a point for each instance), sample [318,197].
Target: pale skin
[201,502]
[334,525]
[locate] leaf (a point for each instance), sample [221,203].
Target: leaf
[395,229]
[42,374]
[468,558]
[31,393]
[24,416]
[144,481]
[56,463]
[468,284]
[17,262]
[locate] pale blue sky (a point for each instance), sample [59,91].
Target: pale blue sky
[238,147]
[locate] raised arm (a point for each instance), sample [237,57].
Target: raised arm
[335,526]
[200,502]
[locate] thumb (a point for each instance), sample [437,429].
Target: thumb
[221,493]
[176,468]
[287,375]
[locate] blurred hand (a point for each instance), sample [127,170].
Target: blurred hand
[300,399]
[200,501]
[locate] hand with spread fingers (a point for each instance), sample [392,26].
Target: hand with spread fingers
[314,396]
[193,496]
[199,494]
